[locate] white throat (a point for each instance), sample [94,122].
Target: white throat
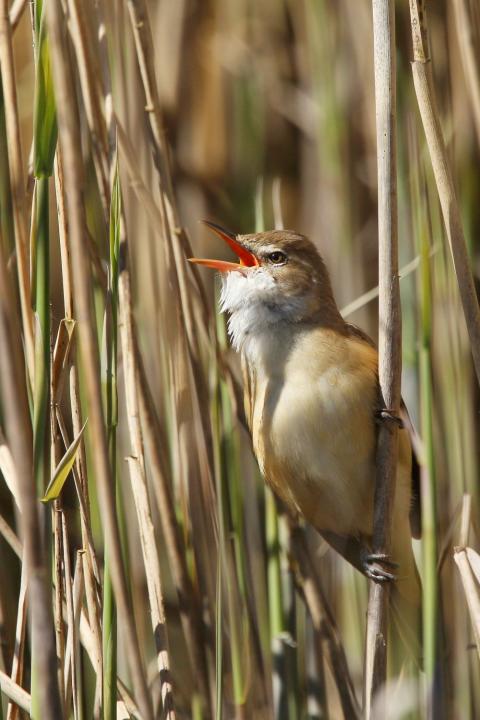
[256,305]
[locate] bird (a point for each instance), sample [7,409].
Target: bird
[312,401]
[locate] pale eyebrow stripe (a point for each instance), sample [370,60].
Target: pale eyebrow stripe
[272,248]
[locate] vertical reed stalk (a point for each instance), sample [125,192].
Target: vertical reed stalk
[424,89]
[109,646]
[231,509]
[19,436]
[110,340]
[41,445]
[221,554]
[389,339]
[45,140]
[17,184]
[429,512]
[41,422]
[466,41]
[275,603]
[6,212]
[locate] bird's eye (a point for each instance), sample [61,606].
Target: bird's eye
[277,257]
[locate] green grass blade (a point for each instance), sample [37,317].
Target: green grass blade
[111,408]
[429,509]
[44,114]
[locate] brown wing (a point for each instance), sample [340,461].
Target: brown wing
[361,334]
[415,507]
[351,548]
[416,497]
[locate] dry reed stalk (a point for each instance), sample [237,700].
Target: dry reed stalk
[16,182]
[7,468]
[424,89]
[462,556]
[87,538]
[152,572]
[470,586]
[136,466]
[16,11]
[14,692]
[58,371]
[62,237]
[9,536]
[77,688]
[145,53]
[19,437]
[69,137]
[173,232]
[16,672]
[187,597]
[68,665]
[61,358]
[58,606]
[126,698]
[73,593]
[93,609]
[91,86]
[465,521]
[324,623]
[465,33]
[6,649]
[389,340]
[102,46]
[88,643]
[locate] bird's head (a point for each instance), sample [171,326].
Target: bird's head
[280,277]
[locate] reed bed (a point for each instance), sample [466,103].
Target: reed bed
[145,570]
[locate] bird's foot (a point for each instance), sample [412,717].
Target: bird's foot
[375,567]
[388,416]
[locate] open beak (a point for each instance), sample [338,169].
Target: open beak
[246,258]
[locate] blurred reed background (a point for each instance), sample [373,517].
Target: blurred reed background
[254,115]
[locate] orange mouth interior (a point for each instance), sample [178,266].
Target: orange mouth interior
[246,258]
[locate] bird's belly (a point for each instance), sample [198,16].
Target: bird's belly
[316,443]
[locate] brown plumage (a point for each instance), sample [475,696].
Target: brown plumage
[311,398]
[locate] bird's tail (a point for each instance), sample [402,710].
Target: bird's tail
[406,605]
